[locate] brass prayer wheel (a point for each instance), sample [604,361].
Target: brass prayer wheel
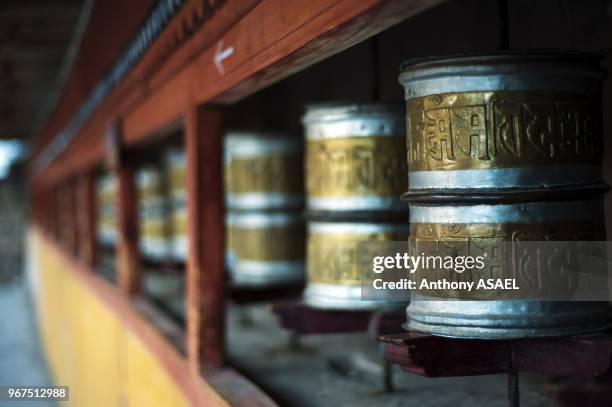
[504,120]
[268,248]
[263,171]
[176,167]
[106,194]
[333,273]
[487,229]
[355,157]
[230,254]
[153,213]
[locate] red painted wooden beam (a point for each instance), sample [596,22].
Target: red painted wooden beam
[434,356]
[128,253]
[205,261]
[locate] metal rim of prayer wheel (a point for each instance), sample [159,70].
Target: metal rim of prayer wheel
[355,157]
[263,171]
[230,255]
[504,120]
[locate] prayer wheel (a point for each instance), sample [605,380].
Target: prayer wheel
[153,213]
[263,171]
[333,273]
[355,158]
[495,231]
[106,194]
[176,167]
[504,120]
[268,248]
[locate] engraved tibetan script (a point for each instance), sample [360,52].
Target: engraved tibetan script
[502,129]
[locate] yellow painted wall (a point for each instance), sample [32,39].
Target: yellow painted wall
[87,346]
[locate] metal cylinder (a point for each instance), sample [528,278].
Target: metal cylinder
[106,194]
[355,157]
[176,167]
[504,120]
[333,274]
[485,228]
[230,253]
[153,214]
[268,248]
[263,171]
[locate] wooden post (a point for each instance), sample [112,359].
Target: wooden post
[64,228]
[205,266]
[128,255]
[73,215]
[86,214]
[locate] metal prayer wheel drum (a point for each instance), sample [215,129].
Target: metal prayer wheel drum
[153,213]
[263,171]
[333,274]
[176,165]
[355,158]
[268,248]
[106,194]
[230,254]
[469,229]
[504,120]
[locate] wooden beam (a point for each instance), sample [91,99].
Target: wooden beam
[86,215]
[205,268]
[128,254]
[272,41]
[72,216]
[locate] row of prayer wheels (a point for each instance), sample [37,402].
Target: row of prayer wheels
[352,195]
[161,206]
[501,147]
[491,149]
[162,209]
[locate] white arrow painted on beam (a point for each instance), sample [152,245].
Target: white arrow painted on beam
[220,55]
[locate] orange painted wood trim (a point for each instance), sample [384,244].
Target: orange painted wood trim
[86,217]
[177,46]
[128,251]
[275,39]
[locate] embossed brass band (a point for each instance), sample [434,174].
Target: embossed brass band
[485,228]
[354,157]
[268,247]
[504,120]
[333,273]
[263,171]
